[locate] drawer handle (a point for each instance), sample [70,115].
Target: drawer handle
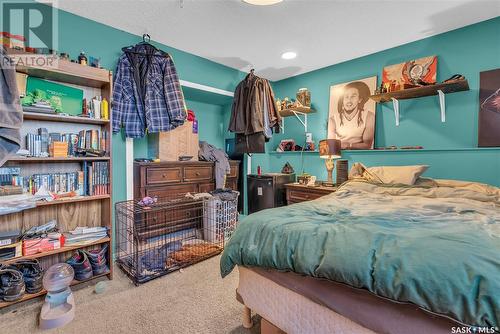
[164,175]
[197,173]
[188,214]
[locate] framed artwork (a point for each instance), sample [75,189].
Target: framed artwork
[411,72]
[489,109]
[351,116]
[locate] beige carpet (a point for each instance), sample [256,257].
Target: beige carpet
[195,300]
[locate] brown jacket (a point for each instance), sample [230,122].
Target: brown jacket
[248,106]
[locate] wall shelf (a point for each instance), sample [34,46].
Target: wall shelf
[412,93]
[299,112]
[207,94]
[292,152]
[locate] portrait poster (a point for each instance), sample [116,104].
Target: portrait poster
[489,109]
[351,115]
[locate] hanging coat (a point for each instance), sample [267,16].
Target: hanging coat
[147,94]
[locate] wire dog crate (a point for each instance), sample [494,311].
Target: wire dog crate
[172,233]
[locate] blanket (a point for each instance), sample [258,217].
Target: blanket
[435,244]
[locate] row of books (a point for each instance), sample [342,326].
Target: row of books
[93,179]
[7,173]
[38,144]
[96,175]
[55,182]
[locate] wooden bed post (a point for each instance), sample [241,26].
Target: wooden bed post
[247,317]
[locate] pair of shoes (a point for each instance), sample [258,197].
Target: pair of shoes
[81,265]
[20,277]
[12,286]
[32,274]
[88,263]
[97,258]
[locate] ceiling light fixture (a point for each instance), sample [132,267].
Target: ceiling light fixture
[289,55]
[262,2]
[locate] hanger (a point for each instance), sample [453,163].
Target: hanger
[146,38]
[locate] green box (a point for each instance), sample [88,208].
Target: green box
[71,98]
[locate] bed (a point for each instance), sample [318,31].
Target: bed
[374,258]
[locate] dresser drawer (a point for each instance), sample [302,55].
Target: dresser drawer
[232,184]
[159,175]
[234,170]
[300,196]
[204,173]
[171,191]
[206,187]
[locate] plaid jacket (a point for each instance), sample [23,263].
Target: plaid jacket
[147,95]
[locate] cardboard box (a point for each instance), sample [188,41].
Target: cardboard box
[169,146]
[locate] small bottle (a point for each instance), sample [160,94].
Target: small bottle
[259,171]
[82,59]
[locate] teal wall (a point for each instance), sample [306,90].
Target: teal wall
[450,148]
[77,33]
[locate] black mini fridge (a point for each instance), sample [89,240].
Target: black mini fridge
[267,190]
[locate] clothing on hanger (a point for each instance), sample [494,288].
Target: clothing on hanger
[253,116]
[147,95]
[11,112]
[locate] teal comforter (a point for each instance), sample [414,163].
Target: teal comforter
[437,247]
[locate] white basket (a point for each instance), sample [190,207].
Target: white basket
[219,219]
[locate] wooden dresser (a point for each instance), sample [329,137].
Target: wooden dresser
[163,179]
[296,193]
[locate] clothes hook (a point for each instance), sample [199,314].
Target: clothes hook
[146,36]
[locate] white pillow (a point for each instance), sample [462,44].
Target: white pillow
[388,174]
[398,174]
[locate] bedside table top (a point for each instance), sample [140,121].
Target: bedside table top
[304,187]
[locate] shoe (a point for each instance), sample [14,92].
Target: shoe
[12,286]
[81,265]
[97,258]
[32,274]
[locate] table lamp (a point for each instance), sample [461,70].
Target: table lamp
[329,149]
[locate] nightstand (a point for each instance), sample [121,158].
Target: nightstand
[296,193]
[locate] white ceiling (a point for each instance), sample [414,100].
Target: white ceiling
[322,32]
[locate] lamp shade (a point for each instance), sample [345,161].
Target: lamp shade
[329,149]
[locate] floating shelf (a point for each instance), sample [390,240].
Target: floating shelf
[56,251]
[55,159]
[65,71]
[207,94]
[292,152]
[297,112]
[33,116]
[413,93]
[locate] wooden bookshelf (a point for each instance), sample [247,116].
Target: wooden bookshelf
[71,212]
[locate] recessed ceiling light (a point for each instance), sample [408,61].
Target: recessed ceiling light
[289,55]
[262,2]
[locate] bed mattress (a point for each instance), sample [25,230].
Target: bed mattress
[360,306]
